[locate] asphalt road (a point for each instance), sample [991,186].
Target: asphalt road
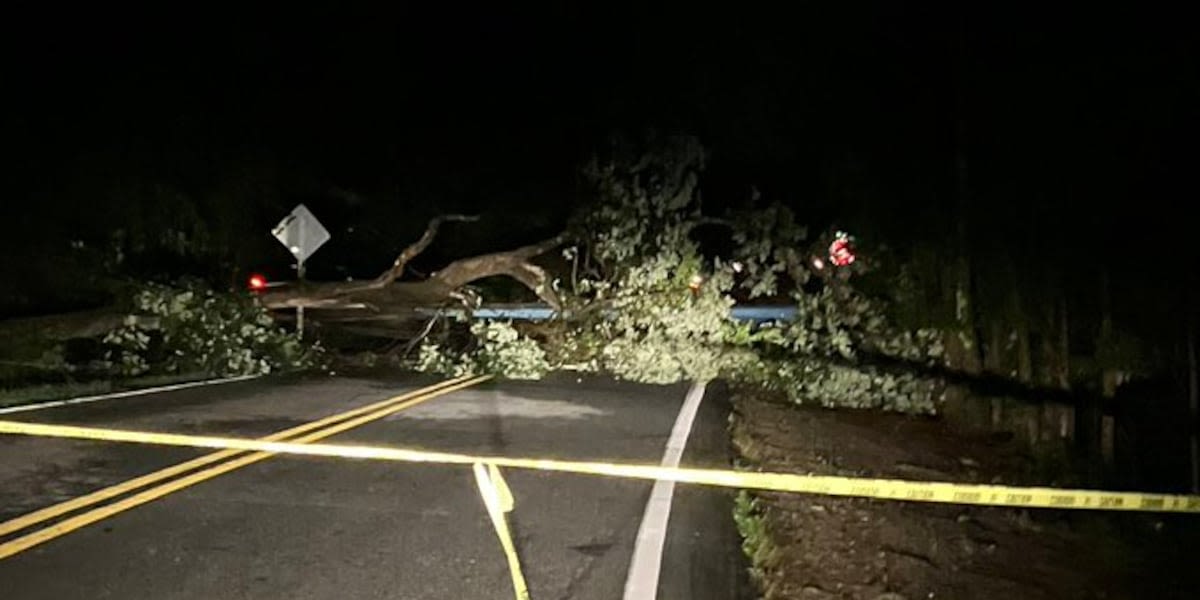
[301,527]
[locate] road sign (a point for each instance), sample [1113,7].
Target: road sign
[301,233]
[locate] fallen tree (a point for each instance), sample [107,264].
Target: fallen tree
[384,306]
[641,301]
[386,294]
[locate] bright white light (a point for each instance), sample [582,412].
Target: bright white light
[737,266]
[818,264]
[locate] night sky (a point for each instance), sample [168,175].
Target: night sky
[1078,125]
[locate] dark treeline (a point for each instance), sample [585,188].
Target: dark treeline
[1037,161]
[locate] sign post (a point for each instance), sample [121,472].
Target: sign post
[302,234]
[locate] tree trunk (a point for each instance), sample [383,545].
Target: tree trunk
[384,294]
[993,350]
[89,323]
[1100,426]
[1055,362]
[1054,352]
[1193,400]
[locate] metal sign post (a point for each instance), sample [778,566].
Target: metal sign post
[300,309]
[302,234]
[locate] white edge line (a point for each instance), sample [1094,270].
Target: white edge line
[125,394]
[646,564]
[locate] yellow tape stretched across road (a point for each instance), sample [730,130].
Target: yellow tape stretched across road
[888,489]
[309,432]
[382,409]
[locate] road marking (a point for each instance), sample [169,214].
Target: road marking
[646,564]
[498,500]
[125,394]
[315,431]
[101,495]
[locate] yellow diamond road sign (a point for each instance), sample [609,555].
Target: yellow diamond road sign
[301,233]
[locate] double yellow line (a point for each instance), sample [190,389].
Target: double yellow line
[303,434]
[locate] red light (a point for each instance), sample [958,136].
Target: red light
[257,282]
[840,252]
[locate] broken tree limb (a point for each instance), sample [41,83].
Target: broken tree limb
[418,247]
[513,263]
[332,294]
[385,293]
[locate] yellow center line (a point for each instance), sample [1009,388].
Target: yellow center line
[101,495]
[324,428]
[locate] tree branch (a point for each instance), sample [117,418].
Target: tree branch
[513,263]
[384,293]
[417,247]
[703,221]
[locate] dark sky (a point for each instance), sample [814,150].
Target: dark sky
[1077,123]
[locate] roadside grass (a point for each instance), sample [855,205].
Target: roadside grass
[756,540]
[748,515]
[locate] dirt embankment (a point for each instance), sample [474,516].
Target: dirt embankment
[828,547]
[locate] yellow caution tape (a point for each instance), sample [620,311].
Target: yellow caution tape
[309,432]
[498,500]
[887,489]
[331,425]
